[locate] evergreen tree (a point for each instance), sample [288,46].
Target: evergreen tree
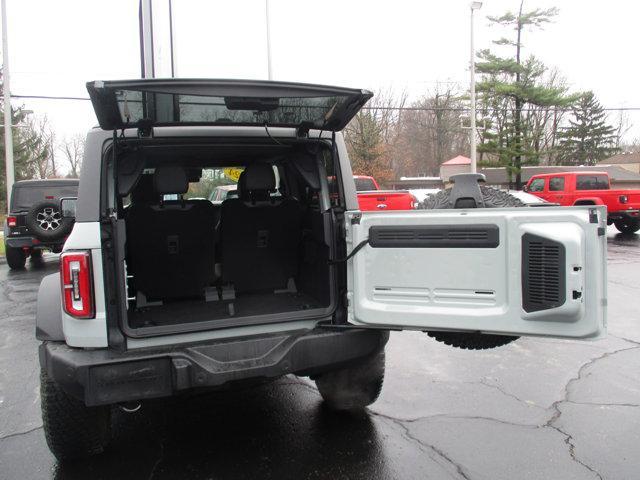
[588,138]
[24,141]
[509,88]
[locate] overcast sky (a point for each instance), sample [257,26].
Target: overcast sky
[57,46]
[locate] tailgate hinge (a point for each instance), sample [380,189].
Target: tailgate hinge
[303,129]
[145,128]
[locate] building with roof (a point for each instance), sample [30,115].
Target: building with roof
[627,160]
[459,164]
[621,177]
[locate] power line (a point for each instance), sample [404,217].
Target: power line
[411,109]
[49,97]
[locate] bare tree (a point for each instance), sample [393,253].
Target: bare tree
[373,134]
[37,143]
[622,128]
[431,133]
[630,147]
[73,151]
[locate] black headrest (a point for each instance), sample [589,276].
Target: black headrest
[257,177]
[144,192]
[170,179]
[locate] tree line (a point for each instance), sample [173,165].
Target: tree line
[37,153]
[527,115]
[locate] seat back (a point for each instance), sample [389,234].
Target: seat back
[260,234]
[171,244]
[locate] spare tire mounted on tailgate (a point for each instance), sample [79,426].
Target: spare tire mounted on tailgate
[466,193]
[45,221]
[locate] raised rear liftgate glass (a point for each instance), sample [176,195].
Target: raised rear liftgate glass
[147,103]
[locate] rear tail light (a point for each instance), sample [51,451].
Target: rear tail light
[77,284]
[623,199]
[12,221]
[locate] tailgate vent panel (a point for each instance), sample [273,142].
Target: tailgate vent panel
[435,236]
[543,273]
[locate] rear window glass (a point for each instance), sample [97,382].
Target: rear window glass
[537,185]
[592,182]
[364,184]
[164,108]
[556,184]
[25,197]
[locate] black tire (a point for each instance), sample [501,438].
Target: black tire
[72,429]
[627,225]
[16,257]
[36,254]
[471,341]
[492,198]
[353,387]
[45,221]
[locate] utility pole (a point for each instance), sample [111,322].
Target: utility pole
[472,131]
[8,136]
[158,56]
[266,11]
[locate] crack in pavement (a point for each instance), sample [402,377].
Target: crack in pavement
[555,407]
[596,404]
[550,423]
[447,416]
[422,445]
[18,434]
[507,394]
[634,342]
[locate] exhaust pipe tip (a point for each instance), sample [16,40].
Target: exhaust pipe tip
[130,407]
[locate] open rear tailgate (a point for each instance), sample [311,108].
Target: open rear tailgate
[162,102]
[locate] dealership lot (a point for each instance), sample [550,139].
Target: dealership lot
[534,409]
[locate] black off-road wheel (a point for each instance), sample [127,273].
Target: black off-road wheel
[627,225]
[354,387]
[72,429]
[492,198]
[16,257]
[45,221]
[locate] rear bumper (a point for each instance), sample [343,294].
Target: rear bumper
[633,214]
[102,377]
[31,242]
[21,242]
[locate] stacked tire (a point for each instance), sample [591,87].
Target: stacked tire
[491,198]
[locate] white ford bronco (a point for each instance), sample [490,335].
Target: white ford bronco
[163,292]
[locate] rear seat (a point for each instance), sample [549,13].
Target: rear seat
[260,234]
[171,244]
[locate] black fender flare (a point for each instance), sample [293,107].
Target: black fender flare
[49,310]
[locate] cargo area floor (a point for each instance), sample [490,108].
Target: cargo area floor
[244,305]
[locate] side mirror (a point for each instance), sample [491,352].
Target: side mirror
[525,188]
[68,207]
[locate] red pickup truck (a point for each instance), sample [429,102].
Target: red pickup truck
[371,198]
[590,188]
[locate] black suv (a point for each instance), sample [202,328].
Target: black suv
[35,222]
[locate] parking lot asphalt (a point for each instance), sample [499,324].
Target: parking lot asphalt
[534,409]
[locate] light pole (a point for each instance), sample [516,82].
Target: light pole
[266,12]
[472,138]
[8,137]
